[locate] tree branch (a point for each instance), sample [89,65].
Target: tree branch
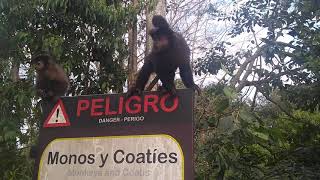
[243,66]
[274,102]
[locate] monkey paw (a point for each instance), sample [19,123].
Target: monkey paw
[41,93]
[133,91]
[172,92]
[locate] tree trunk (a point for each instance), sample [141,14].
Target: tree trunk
[15,71]
[133,57]
[160,9]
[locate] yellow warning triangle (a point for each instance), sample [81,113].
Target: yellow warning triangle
[57,117]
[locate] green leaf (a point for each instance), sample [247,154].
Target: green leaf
[230,92]
[104,85]
[225,69]
[10,135]
[247,116]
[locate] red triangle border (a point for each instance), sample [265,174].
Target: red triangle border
[67,123]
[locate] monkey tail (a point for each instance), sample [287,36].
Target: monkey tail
[197,88]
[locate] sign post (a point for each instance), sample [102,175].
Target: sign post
[100,137]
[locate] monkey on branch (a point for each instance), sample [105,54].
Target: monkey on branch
[169,52]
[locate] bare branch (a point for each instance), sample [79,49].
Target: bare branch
[235,79]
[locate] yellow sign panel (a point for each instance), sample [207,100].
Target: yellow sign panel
[139,157]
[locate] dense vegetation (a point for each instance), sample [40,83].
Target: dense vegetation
[275,134]
[87,38]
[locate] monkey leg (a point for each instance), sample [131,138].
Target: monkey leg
[49,96]
[43,93]
[168,86]
[55,90]
[33,151]
[172,91]
[187,77]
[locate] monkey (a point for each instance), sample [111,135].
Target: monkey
[51,80]
[51,83]
[169,52]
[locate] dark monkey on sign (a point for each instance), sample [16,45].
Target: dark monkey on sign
[169,52]
[51,80]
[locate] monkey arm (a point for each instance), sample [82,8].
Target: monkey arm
[144,75]
[187,77]
[142,78]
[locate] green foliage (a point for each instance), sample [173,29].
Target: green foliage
[274,140]
[80,34]
[88,40]
[16,113]
[255,146]
[232,139]
[296,58]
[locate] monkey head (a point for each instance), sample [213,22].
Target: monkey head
[41,62]
[160,22]
[161,34]
[160,42]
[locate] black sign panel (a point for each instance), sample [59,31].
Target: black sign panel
[111,137]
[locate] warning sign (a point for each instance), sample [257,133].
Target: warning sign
[98,137]
[58,116]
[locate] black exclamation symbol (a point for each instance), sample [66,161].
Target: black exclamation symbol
[57,120]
